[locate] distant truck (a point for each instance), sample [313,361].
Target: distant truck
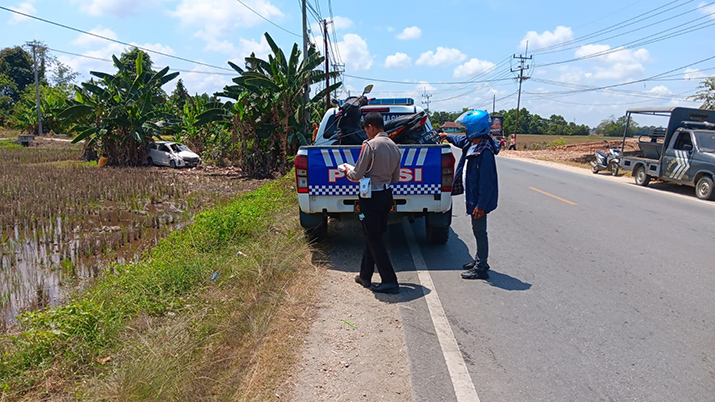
[682,153]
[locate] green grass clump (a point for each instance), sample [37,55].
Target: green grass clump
[9,144]
[76,336]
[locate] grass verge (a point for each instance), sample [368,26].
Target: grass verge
[215,312]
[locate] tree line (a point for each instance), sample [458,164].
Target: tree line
[257,123]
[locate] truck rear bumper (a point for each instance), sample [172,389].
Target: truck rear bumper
[414,204]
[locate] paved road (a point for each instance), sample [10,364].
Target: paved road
[600,290]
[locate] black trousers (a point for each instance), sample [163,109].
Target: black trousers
[374,212]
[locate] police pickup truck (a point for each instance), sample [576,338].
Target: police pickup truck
[426,175]
[682,153]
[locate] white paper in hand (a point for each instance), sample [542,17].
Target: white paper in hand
[346,167]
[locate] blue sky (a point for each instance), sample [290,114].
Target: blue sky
[457,52]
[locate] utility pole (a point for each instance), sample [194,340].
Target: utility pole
[494,104]
[426,96]
[327,70]
[306,89]
[521,78]
[37,87]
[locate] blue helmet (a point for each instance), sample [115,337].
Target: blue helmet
[477,123]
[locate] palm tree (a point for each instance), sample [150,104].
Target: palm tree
[119,114]
[266,113]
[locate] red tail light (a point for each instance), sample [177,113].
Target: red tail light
[423,121]
[447,172]
[301,173]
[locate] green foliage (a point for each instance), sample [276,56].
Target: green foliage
[557,143]
[16,65]
[76,335]
[9,144]
[265,117]
[53,100]
[706,94]
[615,127]
[120,113]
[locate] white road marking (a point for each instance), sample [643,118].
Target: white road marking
[461,380]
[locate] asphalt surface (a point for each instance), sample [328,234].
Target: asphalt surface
[604,293]
[599,290]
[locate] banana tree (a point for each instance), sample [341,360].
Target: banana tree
[120,113]
[266,115]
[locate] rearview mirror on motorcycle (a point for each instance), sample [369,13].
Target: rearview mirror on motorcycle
[367,89]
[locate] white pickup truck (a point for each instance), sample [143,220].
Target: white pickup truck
[426,174]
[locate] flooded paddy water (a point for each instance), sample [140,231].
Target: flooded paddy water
[63,223]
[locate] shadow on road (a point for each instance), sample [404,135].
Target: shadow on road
[408,293]
[506,282]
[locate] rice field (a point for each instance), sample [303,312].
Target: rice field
[63,222]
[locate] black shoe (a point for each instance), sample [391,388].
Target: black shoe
[470,264]
[360,281]
[392,288]
[475,273]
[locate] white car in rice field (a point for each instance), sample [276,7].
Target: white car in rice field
[172,154]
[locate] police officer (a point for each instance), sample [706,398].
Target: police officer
[380,161]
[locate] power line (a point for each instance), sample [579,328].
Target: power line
[111,61]
[431,83]
[615,27]
[637,42]
[113,40]
[269,21]
[649,26]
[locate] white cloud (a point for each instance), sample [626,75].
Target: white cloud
[198,83]
[339,23]
[398,60]
[537,41]
[218,18]
[424,86]
[617,64]
[410,33]
[707,9]
[244,48]
[443,57]
[120,8]
[473,66]
[660,90]
[354,52]
[26,8]
[101,59]
[91,41]
[694,74]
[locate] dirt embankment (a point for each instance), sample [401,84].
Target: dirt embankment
[576,153]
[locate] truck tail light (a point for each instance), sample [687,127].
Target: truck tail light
[447,172]
[301,173]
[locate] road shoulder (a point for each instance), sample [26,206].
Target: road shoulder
[355,349]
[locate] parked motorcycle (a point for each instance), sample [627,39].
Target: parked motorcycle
[349,130]
[606,161]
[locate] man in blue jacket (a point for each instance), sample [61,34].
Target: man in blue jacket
[476,178]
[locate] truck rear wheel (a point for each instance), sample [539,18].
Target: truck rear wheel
[641,177]
[437,227]
[704,189]
[315,226]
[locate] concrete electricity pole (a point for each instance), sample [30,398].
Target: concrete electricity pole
[327,70]
[306,89]
[522,67]
[37,87]
[426,96]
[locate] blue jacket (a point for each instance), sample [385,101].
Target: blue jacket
[482,183]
